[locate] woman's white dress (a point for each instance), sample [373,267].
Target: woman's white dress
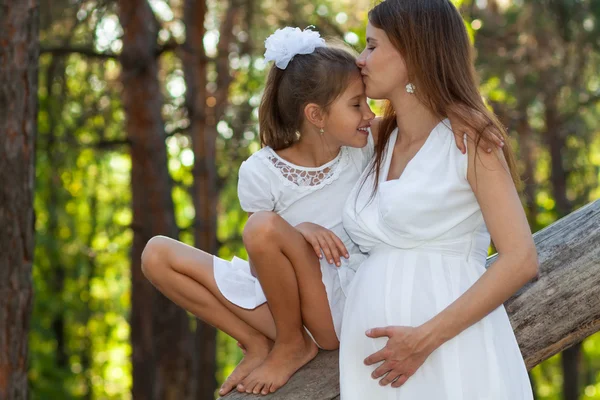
[427,244]
[298,194]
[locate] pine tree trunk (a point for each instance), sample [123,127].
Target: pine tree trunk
[204,192]
[556,140]
[205,109]
[163,353]
[570,361]
[19,53]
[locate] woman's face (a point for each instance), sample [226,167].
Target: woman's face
[382,67]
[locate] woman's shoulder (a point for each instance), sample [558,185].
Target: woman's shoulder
[444,134]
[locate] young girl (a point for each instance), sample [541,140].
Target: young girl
[314,122]
[314,126]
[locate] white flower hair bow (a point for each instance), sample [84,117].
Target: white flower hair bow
[285,43]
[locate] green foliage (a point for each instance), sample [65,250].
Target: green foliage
[79,342]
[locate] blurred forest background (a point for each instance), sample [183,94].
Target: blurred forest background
[148,107]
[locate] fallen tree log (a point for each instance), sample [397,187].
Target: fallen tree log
[558,309]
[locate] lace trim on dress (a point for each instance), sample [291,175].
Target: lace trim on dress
[305,178]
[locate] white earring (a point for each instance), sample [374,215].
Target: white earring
[410,88]
[321,131]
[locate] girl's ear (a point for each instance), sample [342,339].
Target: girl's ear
[314,114]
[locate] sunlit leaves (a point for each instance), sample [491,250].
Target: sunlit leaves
[83,202]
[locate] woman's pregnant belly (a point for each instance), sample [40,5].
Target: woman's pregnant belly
[407,287]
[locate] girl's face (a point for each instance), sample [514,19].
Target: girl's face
[382,67]
[350,116]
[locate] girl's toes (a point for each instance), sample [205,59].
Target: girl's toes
[258,388]
[250,387]
[266,389]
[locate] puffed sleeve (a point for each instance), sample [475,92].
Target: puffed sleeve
[255,187]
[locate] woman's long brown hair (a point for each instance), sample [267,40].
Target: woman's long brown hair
[432,38]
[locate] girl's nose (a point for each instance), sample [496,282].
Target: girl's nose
[369,114]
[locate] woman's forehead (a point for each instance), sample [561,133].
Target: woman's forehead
[374,34]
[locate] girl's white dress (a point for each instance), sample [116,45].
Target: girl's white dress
[427,244]
[267,182]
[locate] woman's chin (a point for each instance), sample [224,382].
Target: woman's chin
[373,94]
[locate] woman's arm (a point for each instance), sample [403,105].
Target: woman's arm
[517,257]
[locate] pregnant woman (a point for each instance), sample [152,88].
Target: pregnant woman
[424,318]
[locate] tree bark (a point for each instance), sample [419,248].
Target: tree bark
[162,343]
[570,361]
[555,311]
[205,108]
[195,65]
[527,149]
[19,53]
[556,139]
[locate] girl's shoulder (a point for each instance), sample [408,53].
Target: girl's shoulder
[257,187]
[257,163]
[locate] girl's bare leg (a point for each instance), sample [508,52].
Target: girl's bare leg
[185,275]
[290,275]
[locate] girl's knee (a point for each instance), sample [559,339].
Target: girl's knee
[262,227]
[153,255]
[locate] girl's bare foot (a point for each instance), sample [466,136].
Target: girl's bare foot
[254,356]
[283,361]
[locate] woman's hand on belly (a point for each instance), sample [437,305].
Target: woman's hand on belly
[406,350]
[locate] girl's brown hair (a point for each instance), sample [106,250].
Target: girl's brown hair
[432,38]
[320,78]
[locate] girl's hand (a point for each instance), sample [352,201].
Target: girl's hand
[406,350]
[324,240]
[490,138]
[485,145]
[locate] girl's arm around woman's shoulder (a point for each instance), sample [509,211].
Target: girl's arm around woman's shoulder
[458,129]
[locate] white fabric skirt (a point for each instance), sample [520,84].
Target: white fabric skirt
[239,286]
[407,288]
